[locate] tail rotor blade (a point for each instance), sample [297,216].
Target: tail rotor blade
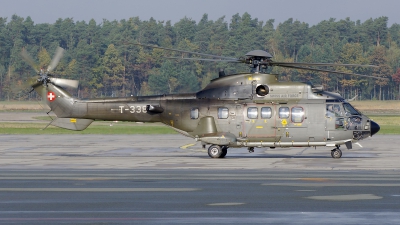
[56,59]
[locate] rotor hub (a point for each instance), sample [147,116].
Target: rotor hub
[257,60]
[259,54]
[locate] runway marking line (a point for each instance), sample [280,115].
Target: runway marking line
[332,184]
[186,146]
[314,179]
[99,189]
[226,204]
[346,197]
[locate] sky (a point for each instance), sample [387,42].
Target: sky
[308,11]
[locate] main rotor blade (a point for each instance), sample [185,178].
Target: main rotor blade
[331,71]
[315,64]
[212,60]
[56,59]
[182,51]
[28,58]
[64,82]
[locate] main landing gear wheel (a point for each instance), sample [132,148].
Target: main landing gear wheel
[336,153]
[216,151]
[224,151]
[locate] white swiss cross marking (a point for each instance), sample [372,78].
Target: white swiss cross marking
[51,96]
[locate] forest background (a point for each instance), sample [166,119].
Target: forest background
[106,61]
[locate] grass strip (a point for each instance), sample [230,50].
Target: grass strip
[100,128]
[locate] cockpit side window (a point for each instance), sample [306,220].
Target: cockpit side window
[337,110]
[333,110]
[329,110]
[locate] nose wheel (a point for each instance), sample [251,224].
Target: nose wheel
[336,153]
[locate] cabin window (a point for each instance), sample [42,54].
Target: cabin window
[252,112]
[284,112]
[297,114]
[266,112]
[194,113]
[223,113]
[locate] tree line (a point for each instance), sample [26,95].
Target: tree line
[106,61]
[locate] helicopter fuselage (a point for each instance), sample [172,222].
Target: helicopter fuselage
[243,110]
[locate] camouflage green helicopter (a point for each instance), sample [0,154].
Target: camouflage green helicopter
[233,111]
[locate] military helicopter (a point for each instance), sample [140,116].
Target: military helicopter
[251,110]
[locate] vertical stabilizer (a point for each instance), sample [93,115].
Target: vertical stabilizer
[59,100]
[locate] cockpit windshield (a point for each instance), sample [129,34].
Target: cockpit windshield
[350,110]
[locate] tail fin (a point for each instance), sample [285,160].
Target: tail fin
[59,100]
[63,104]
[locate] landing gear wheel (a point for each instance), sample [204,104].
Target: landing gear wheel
[215,151]
[336,153]
[251,149]
[224,151]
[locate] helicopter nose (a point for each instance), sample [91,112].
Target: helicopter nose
[374,128]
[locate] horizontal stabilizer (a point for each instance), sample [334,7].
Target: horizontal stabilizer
[72,123]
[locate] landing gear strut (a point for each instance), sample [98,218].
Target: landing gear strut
[336,153]
[217,151]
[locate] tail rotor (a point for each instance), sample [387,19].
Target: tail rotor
[44,75]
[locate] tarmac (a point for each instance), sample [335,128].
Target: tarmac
[169,179]
[178,152]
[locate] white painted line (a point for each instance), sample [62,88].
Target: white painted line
[358,144]
[100,189]
[346,197]
[226,204]
[332,185]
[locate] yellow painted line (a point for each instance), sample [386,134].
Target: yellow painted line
[72,120]
[259,127]
[187,146]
